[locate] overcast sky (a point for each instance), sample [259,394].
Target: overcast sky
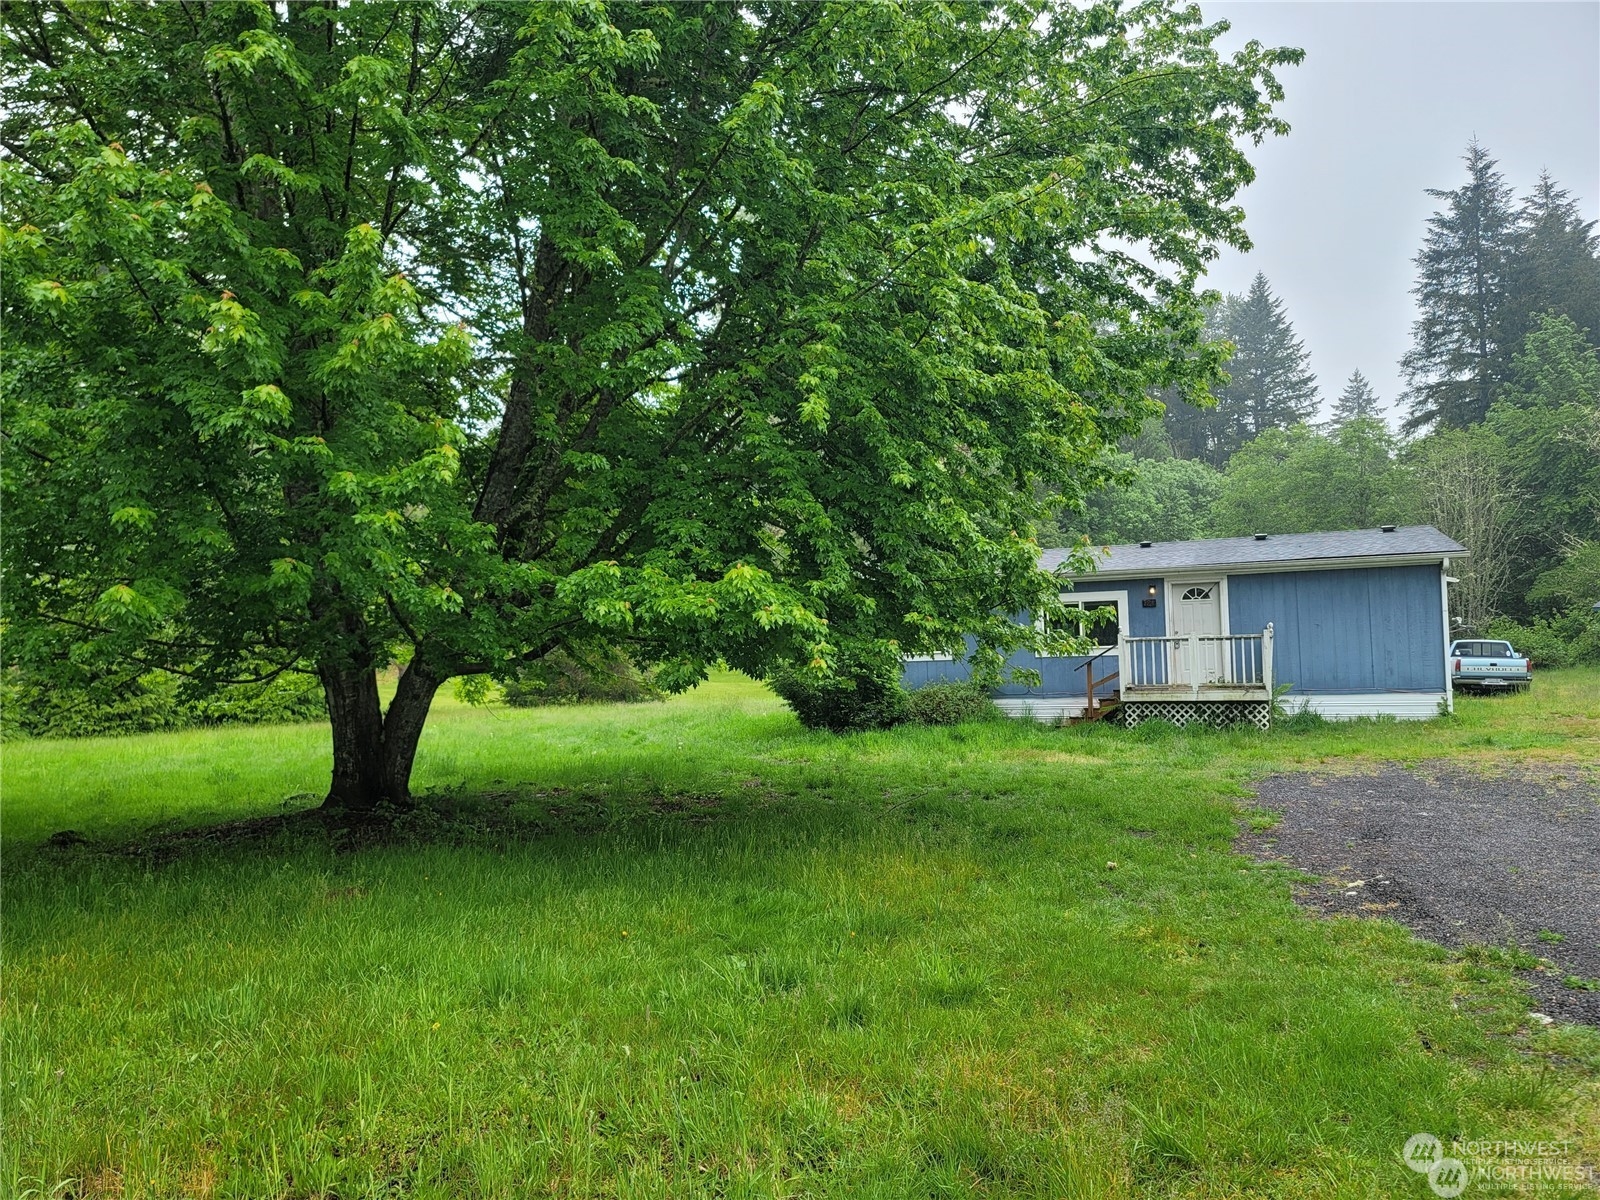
[1382,107]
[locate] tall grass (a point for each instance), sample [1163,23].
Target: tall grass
[690,949]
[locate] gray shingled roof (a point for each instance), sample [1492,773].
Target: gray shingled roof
[1276,548]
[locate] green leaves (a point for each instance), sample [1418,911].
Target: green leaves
[1546,426]
[265,166]
[48,293]
[141,609]
[764,334]
[755,113]
[133,517]
[291,579]
[253,49]
[236,337]
[1298,480]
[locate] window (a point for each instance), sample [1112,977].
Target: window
[1108,611]
[1483,649]
[1196,593]
[1103,630]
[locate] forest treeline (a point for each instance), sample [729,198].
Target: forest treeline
[1496,439]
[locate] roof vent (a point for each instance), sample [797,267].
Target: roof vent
[1386,528]
[1261,537]
[1145,545]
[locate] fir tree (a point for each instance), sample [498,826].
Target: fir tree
[1270,384]
[1556,267]
[1357,402]
[1462,340]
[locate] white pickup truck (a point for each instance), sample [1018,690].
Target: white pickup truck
[1476,663]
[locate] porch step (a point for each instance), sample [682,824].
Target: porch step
[1100,709]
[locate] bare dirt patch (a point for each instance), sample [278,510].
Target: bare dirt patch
[1461,857]
[492,818]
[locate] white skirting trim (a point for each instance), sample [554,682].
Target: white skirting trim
[1404,706]
[1041,708]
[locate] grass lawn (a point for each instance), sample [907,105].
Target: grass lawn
[690,949]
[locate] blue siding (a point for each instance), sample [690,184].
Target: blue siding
[915,674]
[1057,676]
[1366,629]
[1359,630]
[1060,676]
[1143,622]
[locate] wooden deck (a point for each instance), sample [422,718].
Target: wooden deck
[1205,691]
[1226,666]
[1229,668]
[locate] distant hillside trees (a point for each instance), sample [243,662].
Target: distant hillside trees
[1298,480]
[1545,424]
[1160,500]
[1522,488]
[1500,448]
[1502,370]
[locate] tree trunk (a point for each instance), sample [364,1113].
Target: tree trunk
[373,751]
[357,720]
[402,726]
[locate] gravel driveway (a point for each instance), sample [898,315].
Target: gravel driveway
[1457,857]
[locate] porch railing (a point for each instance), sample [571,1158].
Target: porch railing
[1093,703]
[1198,660]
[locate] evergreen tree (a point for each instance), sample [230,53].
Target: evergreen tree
[1270,384]
[1356,403]
[1191,429]
[1462,345]
[1556,267]
[1546,419]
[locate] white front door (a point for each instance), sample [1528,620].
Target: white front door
[1197,609]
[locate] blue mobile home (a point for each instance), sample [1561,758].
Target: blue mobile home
[1354,623]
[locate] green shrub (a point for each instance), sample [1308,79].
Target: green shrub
[860,694]
[33,706]
[36,707]
[950,704]
[286,698]
[1561,641]
[562,677]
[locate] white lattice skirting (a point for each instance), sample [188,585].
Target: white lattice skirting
[1216,713]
